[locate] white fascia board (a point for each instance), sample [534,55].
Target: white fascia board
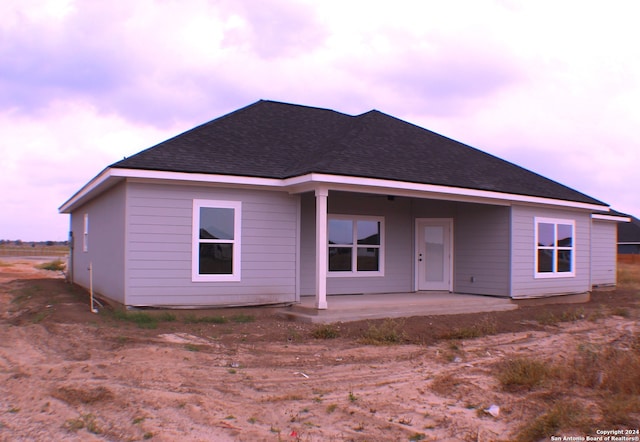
[117,174]
[311,181]
[197,177]
[85,190]
[620,219]
[402,187]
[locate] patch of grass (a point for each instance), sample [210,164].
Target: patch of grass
[521,373]
[326,331]
[618,410]
[241,318]
[417,437]
[352,397]
[192,347]
[193,319]
[387,333]
[166,317]
[621,311]
[483,327]
[23,294]
[562,415]
[148,435]
[138,420]
[331,408]
[550,318]
[55,266]
[444,384]
[144,319]
[87,421]
[38,317]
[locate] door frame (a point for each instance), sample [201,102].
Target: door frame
[419,222]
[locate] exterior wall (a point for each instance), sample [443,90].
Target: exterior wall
[106,243]
[481,243]
[482,250]
[603,253]
[398,243]
[524,284]
[159,239]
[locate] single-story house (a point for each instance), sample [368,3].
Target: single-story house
[276,201]
[629,236]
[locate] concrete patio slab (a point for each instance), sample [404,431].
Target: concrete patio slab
[347,308]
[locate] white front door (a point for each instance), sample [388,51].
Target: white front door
[434,254]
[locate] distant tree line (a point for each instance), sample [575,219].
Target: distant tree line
[19,242]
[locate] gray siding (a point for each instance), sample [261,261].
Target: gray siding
[482,250]
[398,275]
[603,252]
[481,243]
[524,284]
[106,243]
[160,244]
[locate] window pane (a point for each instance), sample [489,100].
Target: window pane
[565,235]
[545,261]
[216,259]
[369,232]
[564,260]
[340,259]
[340,231]
[546,234]
[435,253]
[368,259]
[216,223]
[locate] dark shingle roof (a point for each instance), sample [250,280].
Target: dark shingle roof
[629,232]
[278,140]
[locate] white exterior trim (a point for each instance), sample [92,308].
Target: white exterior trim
[354,273]
[322,257]
[621,219]
[555,222]
[236,260]
[416,247]
[311,181]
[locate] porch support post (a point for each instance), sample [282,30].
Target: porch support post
[321,248]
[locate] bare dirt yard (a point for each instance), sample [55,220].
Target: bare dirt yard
[246,375]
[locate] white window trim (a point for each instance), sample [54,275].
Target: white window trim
[195,241]
[555,222]
[354,256]
[85,233]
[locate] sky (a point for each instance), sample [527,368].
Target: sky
[553,86]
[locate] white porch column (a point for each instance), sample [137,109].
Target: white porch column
[321,248]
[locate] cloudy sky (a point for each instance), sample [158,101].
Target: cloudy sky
[553,86]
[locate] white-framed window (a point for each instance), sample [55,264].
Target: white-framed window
[554,247]
[356,245]
[85,233]
[216,240]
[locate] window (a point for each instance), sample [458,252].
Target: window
[555,242]
[216,240]
[85,234]
[355,246]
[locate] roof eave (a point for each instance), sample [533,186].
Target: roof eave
[311,181]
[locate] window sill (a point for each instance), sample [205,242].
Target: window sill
[354,274]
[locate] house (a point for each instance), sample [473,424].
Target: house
[276,201]
[629,236]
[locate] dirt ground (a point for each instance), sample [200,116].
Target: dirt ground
[247,375]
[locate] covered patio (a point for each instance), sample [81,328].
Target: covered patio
[347,308]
